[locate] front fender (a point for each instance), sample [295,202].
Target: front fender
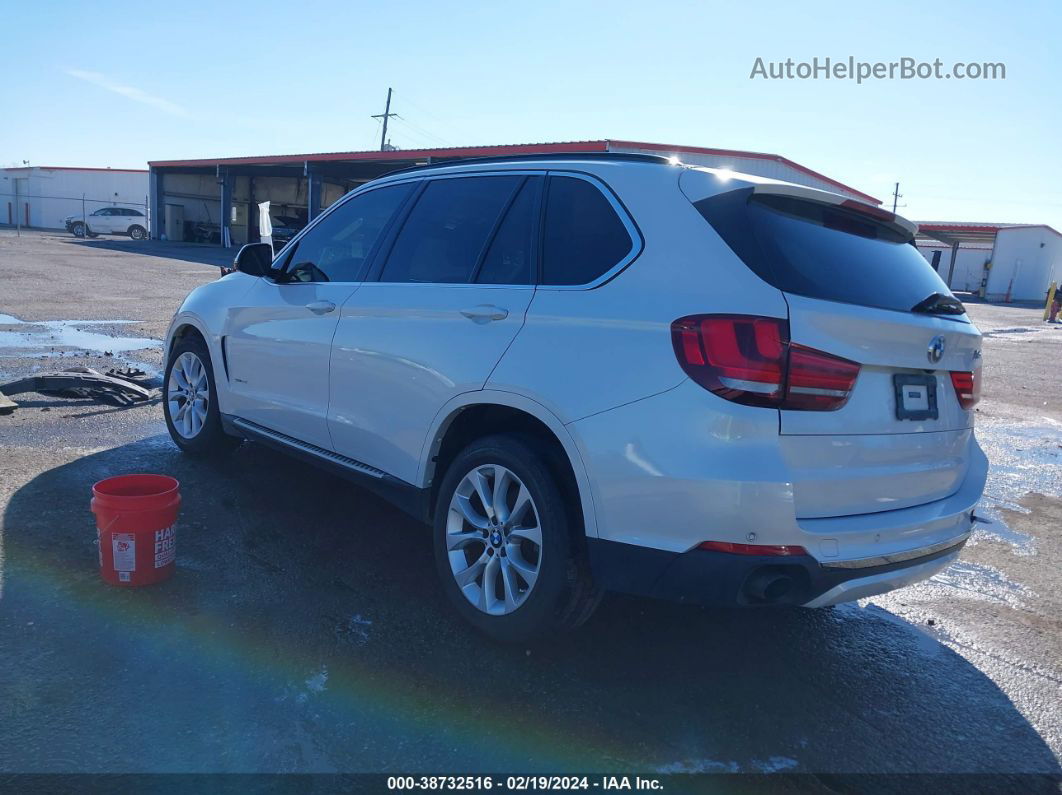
[206,309]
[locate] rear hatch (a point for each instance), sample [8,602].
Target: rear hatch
[858,289]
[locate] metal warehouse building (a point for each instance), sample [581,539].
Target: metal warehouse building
[43,196]
[216,200]
[1009,262]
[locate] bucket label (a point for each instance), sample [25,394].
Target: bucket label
[123,548]
[165,546]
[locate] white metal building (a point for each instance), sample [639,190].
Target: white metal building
[42,196]
[1015,262]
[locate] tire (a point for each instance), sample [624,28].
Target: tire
[513,608]
[196,432]
[78,229]
[137,232]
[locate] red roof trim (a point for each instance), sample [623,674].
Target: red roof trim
[962,227]
[959,228]
[77,168]
[400,154]
[503,149]
[702,150]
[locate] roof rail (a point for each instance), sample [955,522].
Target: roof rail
[462,161]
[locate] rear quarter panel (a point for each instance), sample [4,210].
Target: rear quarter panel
[584,351]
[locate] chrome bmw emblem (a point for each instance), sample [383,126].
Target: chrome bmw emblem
[936,349]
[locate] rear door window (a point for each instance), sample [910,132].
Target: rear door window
[583,238]
[823,251]
[445,233]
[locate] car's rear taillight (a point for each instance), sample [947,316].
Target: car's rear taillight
[750,360]
[967,387]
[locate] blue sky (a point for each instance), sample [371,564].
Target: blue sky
[117,84]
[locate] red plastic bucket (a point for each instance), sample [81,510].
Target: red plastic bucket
[136,524]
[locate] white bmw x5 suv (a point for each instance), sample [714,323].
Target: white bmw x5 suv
[607,373]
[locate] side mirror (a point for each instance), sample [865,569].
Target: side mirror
[254,259]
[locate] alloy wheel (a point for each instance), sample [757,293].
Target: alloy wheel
[494,539]
[188,395]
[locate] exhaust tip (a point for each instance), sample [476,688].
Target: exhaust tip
[768,587]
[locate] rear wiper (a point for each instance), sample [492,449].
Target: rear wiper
[939,304]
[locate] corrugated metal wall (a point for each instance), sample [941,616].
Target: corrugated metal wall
[1024,262]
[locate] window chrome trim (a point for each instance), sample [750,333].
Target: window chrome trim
[637,240]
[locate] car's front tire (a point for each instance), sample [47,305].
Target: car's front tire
[506,544]
[78,229]
[137,232]
[190,400]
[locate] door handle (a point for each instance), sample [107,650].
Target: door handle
[321,307]
[484,313]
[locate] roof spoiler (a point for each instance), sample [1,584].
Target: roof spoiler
[825,197]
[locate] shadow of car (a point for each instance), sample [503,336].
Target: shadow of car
[305,631]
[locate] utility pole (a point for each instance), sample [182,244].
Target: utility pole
[387,114]
[896,196]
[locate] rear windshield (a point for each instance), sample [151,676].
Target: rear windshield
[822,251]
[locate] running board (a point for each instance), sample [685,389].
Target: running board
[312,449]
[409,498]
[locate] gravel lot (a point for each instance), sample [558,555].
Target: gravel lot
[305,631]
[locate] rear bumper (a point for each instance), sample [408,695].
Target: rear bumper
[705,577]
[683,467]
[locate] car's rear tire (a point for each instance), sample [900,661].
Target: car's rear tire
[78,229]
[509,555]
[137,232]
[190,400]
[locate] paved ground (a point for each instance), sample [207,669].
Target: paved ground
[305,630]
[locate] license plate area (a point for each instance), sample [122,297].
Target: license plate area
[916,396]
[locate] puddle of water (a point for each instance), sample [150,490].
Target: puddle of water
[992,527]
[699,766]
[1012,330]
[31,339]
[773,764]
[985,582]
[1024,457]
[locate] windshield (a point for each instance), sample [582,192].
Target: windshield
[823,251]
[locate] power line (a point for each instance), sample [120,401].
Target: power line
[406,98]
[421,133]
